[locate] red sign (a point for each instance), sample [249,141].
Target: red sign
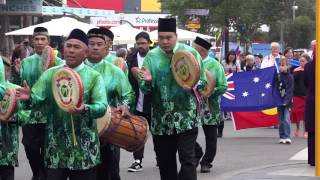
[117,5]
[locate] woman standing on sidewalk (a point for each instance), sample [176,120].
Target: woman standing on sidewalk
[299,96]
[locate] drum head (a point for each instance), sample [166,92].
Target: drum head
[8,105]
[47,58]
[103,122]
[67,89]
[185,69]
[211,84]
[121,63]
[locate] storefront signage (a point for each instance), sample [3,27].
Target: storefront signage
[82,12]
[21,7]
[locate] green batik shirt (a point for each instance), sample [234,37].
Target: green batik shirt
[173,109]
[2,79]
[9,135]
[60,150]
[112,58]
[217,71]
[31,71]
[118,88]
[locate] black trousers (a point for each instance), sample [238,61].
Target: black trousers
[139,154]
[33,141]
[166,149]
[210,132]
[64,174]
[110,159]
[6,173]
[311,148]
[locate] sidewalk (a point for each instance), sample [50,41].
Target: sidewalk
[285,171]
[295,169]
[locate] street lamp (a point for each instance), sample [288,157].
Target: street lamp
[294,8]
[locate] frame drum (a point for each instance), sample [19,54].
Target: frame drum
[209,88]
[185,69]
[8,105]
[67,89]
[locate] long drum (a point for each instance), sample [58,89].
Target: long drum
[211,84]
[47,57]
[8,105]
[185,69]
[67,89]
[129,133]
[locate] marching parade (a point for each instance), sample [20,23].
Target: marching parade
[85,100]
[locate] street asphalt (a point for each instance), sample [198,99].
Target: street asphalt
[242,155]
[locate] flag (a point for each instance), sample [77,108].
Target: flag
[245,120]
[238,51]
[251,91]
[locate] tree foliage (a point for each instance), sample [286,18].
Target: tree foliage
[246,16]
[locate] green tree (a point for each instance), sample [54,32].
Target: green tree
[246,16]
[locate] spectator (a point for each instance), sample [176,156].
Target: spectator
[230,65]
[122,52]
[288,53]
[286,94]
[242,60]
[299,95]
[27,48]
[249,63]
[310,109]
[270,60]
[258,60]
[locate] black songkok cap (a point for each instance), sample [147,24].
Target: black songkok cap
[107,33]
[95,32]
[40,31]
[79,35]
[167,25]
[203,43]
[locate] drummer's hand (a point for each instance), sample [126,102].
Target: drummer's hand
[145,74]
[17,65]
[23,93]
[186,88]
[75,109]
[124,110]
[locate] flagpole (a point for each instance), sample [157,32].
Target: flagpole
[317,115]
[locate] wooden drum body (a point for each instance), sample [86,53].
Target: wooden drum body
[129,133]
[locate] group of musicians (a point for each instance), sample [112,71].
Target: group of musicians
[58,150]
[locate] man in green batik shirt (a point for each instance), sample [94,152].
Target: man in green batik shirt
[174,120]
[33,133]
[72,149]
[9,135]
[211,118]
[2,79]
[119,94]
[109,41]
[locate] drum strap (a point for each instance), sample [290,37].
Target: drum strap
[196,93]
[209,106]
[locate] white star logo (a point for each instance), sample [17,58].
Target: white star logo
[256,79]
[263,94]
[268,85]
[245,94]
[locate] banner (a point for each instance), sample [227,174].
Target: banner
[245,120]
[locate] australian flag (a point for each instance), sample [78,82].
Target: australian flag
[251,91]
